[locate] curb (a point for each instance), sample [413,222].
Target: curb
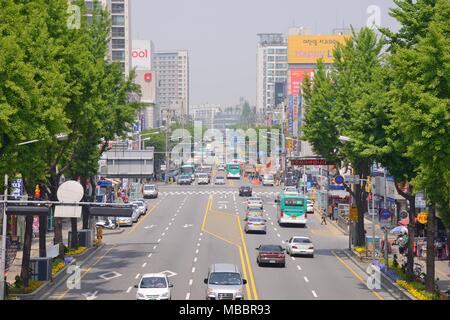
[121,230]
[61,275]
[392,288]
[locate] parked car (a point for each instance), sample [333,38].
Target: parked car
[310,206]
[300,246]
[245,191]
[136,213]
[142,207]
[224,282]
[150,191]
[203,178]
[272,254]
[125,221]
[185,179]
[254,212]
[255,224]
[254,202]
[154,286]
[219,180]
[268,180]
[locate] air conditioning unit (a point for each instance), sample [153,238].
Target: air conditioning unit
[41,268]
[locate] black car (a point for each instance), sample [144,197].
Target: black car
[245,191]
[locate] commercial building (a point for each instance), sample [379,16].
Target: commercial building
[120,43]
[172,89]
[271,70]
[205,113]
[144,63]
[304,49]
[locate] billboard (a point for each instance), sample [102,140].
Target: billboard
[308,49]
[141,55]
[296,77]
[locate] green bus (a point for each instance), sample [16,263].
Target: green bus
[233,171]
[188,169]
[292,208]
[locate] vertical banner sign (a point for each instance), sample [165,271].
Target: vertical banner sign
[291,114]
[16,188]
[295,116]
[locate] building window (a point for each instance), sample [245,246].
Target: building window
[118,32]
[118,43]
[118,55]
[270,58]
[118,20]
[117,7]
[270,51]
[281,51]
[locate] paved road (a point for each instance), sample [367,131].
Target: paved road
[190,227]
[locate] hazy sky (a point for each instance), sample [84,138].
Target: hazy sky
[221,35]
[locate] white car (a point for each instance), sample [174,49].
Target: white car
[142,207]
[268,180]
[154,286]
[300,246]
[219,180]
[290,189]
[310,206]
[125,221]
[202,178]
[254,202]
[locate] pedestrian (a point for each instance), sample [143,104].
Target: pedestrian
[324,217]
[330,211]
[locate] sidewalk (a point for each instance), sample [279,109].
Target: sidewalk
[16,266]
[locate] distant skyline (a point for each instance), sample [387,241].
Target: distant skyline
[221,36]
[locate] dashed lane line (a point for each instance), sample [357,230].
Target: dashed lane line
[299,268]
[144,264]
[137,276]
[306,279]
[129,289]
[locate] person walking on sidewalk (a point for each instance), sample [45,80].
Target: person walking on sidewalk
[324,217]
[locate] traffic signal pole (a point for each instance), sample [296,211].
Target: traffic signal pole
[3,256]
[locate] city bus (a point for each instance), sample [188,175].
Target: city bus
[188,169]
[292,208]
[233,171]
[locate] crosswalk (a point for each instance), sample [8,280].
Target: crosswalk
[214,192]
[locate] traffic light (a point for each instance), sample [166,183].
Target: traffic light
[37,193]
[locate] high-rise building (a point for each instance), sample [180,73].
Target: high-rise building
[172,89]
[143,62]
[271,69]
[120,43]
[205,113]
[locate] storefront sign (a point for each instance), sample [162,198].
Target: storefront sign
[422,218]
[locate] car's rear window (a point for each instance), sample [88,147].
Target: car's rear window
[256,220]
[273,248]
[301,240]
[149,187]
[225,278]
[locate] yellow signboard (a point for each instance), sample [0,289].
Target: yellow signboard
[422,218]
[354,214]
[308,49]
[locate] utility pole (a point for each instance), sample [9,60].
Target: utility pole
[3,257]
[167,148]
[386,256]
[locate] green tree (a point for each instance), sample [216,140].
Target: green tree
[421,92]
[341,103]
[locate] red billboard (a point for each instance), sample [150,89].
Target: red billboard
[296,77]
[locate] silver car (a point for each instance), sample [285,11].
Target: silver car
[219,180]
[255,224]
[136,213]
[300,246]
[254,202]
[224,282]
[268,180]
[141,206]
[150,191]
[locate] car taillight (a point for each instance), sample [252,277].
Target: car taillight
[306,215]
[281,214]
[294,247]
[311,247]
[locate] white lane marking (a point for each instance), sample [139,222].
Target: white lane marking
[299,268]
[129,289]
[270,218]
[170,223]
[193,269]
[137,276]
[271,222]
[293,258]
[190,282]
[196,251]
[144,264]
[167,228]
[306,279]
[195,259]
[314,294]
[275,229]
[188,295]
[149,255]
[278,235]
[282,241]
[200,239]
[154,247]
[163,234]
[201,233]
[173,219]
[159,240]
[198,244]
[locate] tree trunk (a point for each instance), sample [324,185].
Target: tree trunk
[362,169]
[42,236]
[25,271]
[430,282]
[74,236]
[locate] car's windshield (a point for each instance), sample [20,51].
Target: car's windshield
[225,278]
[272,248]
[153,282]
[301,240]
[149,188]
